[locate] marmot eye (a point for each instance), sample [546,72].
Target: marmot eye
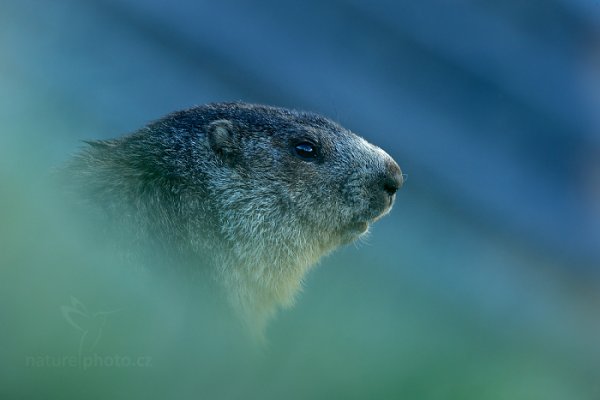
[306,150]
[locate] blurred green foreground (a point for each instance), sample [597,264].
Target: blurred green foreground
[371,323]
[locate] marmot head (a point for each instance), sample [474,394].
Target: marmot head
[301,169]
[291,186]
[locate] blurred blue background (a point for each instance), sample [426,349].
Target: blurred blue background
[491,257]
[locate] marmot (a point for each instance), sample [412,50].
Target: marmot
[253,194]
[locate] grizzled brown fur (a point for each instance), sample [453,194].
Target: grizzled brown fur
[253,195]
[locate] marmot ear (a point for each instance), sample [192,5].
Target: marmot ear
[222,140]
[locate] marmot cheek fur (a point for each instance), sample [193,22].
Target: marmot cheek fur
[253,194]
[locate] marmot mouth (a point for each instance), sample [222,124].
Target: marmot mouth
[361,227]
[349,233]
[358,227]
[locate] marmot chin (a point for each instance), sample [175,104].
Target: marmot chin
[252,194]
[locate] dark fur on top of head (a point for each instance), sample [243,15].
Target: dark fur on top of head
[223,185]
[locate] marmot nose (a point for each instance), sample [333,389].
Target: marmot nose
[393,179]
